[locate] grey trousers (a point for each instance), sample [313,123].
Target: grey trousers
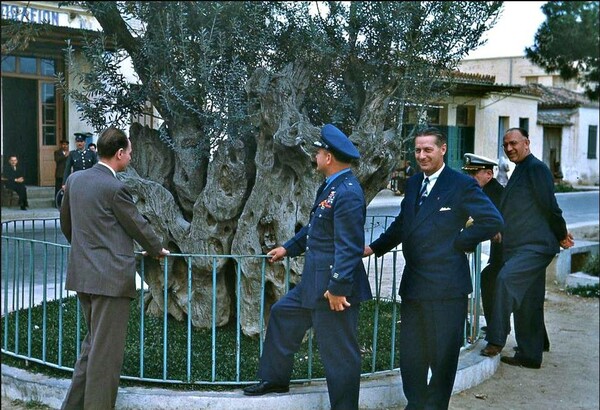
[96,374]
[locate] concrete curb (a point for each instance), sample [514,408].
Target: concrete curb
[377,392]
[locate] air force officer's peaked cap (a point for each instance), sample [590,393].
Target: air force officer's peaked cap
[81,136]
[332,139]
[476,162]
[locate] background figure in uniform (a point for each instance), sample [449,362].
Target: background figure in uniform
[333,283]
[15,180]
[482,169]
[80,158]
[503,168]
[534,232]
[436,280]
[101,225]
[60,157]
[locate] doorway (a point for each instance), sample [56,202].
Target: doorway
[20,124]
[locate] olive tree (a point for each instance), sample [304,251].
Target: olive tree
[242,89]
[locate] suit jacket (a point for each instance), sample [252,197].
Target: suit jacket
[100,221]
[333,243]
[493,189]
[435,238]
[11,174]
[533,218]
[61,161]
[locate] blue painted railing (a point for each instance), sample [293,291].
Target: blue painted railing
[34,259]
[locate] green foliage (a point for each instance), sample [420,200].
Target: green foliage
[592,265]
[201,342]
[569,42]
[588,291]
[563,186]
[195,59]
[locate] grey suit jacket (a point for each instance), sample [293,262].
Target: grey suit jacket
[100,221]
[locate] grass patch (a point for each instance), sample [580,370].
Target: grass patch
[592,265]
[226,342]
[588,291]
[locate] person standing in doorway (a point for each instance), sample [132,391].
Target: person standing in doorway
[535,231]
[60,157]
[80,158]
[15,180]
[333,283]
[436,282]
[101,224]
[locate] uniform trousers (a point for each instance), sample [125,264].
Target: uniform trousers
[520,290]
[431,335]
[96,374]
[336,336]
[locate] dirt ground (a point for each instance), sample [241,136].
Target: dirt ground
[569,377]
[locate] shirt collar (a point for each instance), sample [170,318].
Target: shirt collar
[433,177]
[331,177]
[108,166]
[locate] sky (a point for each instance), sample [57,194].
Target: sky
[514,30]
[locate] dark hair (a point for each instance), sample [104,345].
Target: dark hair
[91,143]
[433,132]
[111,140]
[523,131]
[64,141]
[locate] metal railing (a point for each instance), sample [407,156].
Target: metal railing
[43,323]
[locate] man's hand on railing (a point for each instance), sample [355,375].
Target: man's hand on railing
[163,252]
[276,254]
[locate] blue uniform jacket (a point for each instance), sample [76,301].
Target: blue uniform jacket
[435,239]
[333,243]
[534,220]
[78,161]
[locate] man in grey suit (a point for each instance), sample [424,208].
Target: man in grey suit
[101,225]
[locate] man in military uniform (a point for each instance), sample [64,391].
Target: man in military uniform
[80,158]
[482,169]
[333,283]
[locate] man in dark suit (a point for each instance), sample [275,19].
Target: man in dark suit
[14,178]
[80,158]
[101,225]
[534,232]
[60,157]
[436,280]
[333,283]
[482,169]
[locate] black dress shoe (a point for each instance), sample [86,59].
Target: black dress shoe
[515,361]
[491,350]
[546,348]
[265,387]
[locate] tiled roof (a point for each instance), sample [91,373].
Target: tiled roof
[554,118]
[557,97]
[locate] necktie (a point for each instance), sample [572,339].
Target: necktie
[423,192]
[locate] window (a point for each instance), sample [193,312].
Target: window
[48,100]
[532,80]
[592,141]
[524,123]
[462,115]
[28,65]
[9,64]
